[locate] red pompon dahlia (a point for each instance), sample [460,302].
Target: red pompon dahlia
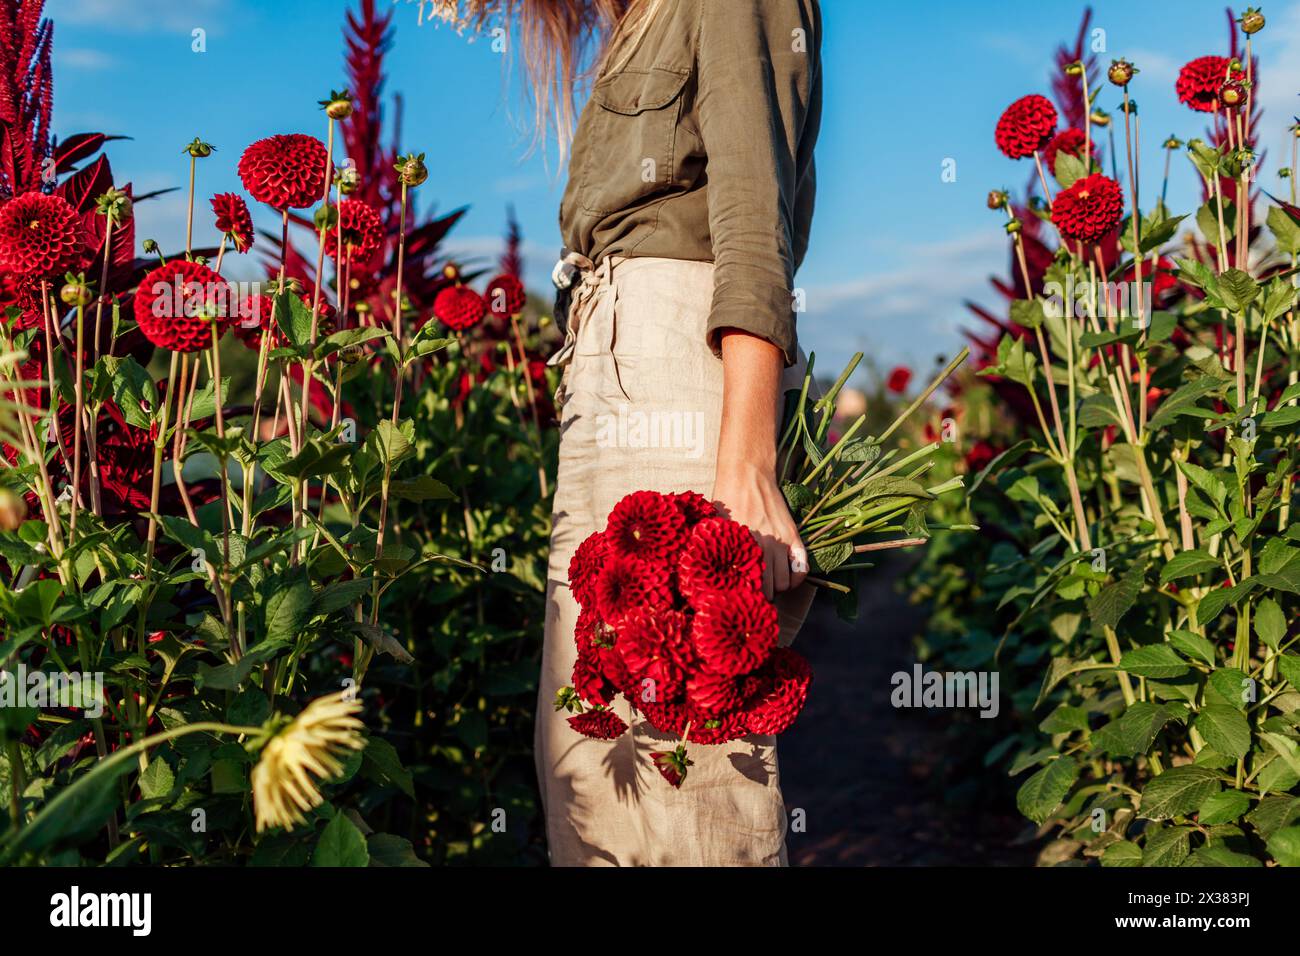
[719,729]
[693,506]
[40,235]
[598,724]
[710,694]
[256,316]
[584,566]
[285,171]
[177,303]
[645,525]
[654,645]
[505,296]
[589,679]
[1025,126]
[720,555]
[233,219]
[459,307]
[782,693]
[734,631]
[672,764]
[1069,141]
[362,231]
[1200,80]
[626,584]
[1089,209]
[666,717]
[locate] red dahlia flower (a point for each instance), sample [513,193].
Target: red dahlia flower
[362,230]
[784,689]
[589,677]
[1026,126]
[286,171]
[666,717]
[505,296]
[598,724]
[719,729]
[584,566]
[177,303]
[233,219]
[710,694]
[720,555]
[734,630]
[627,584]
[645,525]
[256,316]
[40,235]
[693,506]
[1200,80]
[459,307]
[654,646]
[1069,141]
[899,376]
[1089,209]
[672,765]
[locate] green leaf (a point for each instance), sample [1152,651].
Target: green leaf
[157,779]
[389,850]
[1289,666]
[1193,645]
[1122,853]
[1270,624]
[1284,228]
[1224,807]
[421,488]
[1225,729]
[382,764]
[1177,791]
[1166,847]
[825,560]
[288,606]
[133,390]
[1042,793]
[1027,313]
[1154,660]
[340,844]
[1237,289]
[293,317]
[389,443]
[1115,599]
[1285,846]
[1221,856]
[1069,168]
[1187,563]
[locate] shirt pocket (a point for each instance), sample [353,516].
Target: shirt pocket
[631,138]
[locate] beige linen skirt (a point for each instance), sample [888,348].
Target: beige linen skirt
[641,402]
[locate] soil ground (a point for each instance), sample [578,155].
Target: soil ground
[871,778]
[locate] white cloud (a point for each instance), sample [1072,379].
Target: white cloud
[140,16]
[76,58]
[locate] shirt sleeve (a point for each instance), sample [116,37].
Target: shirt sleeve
[756,64]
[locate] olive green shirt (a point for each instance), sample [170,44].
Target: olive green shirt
[699,145]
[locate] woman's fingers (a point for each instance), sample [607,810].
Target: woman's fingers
[798,563]
[768,569]
[778,558]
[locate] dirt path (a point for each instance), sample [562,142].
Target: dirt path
[870,777]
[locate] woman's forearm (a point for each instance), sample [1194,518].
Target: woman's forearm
[751,383]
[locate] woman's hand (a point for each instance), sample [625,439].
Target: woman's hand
[745,485]
[750,495]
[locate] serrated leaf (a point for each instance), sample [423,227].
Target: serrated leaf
[1042,793]
[1155,660]
[1225,729]
[1225,807]
[1177,791]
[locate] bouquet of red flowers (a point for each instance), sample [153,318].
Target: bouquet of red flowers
[674,619]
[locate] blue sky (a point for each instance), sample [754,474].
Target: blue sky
[895,249]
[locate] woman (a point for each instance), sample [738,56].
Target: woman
[686,214]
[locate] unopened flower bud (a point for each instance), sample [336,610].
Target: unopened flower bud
[114,204]
[150,246]
[326,217]
[1013,227]
[348,178]
[411,171]
[1232,94]
[997,199]
[1073,69]
[76,292]
[1252,21]
[338,106]
[198,149]
[1173,142]
[1120,72]
[1100,117]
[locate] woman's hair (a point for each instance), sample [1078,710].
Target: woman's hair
[563,43]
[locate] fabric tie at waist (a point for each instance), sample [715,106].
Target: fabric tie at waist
[582,277]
